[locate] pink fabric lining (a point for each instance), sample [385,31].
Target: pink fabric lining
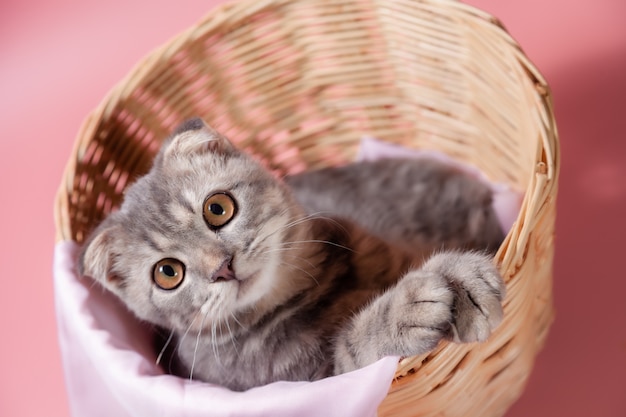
[110,368]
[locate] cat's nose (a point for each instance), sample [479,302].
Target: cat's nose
[224,272]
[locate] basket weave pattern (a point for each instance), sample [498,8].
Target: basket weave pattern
[298,83]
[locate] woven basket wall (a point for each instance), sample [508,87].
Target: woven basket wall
[298,83]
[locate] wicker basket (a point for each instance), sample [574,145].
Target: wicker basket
[298,83]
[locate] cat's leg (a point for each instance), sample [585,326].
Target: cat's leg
[454,295]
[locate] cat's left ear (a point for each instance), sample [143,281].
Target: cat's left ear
[98,254]
[195,137]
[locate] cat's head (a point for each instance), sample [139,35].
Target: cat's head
[200,237]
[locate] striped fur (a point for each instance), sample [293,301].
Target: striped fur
[315,294]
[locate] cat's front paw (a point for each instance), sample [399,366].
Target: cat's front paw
[478,291]
[454,295]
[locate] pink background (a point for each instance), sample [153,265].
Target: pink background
[58,59]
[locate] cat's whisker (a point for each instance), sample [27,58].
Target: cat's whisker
[214,344]
[292,208]
[268,251]
[195,350]
[237,321]
[286,246]
[259,239]
[195,317]
[318,241]
[330,219]
[316,215]
[232,337]
[301,220]
[167,343]
[301,270]
[181,340]
[322,215]
[300,258]
[287,226]
[296,222]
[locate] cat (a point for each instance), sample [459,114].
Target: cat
[260,279]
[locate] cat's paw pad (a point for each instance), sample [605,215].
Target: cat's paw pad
[478,291]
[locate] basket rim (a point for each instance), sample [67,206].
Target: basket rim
[539,195]
[237,10]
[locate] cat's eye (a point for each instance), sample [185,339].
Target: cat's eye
[219,208]
[168,273]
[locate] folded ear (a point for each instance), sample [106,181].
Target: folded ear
[195,137]
[97,258]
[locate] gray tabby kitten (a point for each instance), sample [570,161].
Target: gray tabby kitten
[258,283]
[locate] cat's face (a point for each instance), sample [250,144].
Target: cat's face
[200,238]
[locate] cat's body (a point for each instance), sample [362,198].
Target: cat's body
[419,205]
[259,283]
